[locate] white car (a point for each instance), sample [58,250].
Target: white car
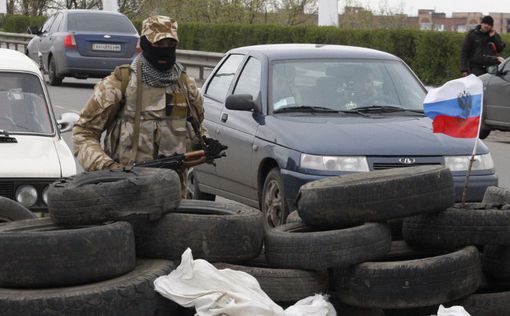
[32,152]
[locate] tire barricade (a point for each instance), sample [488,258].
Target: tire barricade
[101,249]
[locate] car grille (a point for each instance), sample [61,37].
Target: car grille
[382,166]
[7,189]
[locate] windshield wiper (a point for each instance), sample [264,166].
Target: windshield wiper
[305,108]
[383,108]
[6,138]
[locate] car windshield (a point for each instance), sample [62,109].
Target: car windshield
[104,23]
[23,107]
[345,85]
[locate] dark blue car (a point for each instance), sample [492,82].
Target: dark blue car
[294,113]
[83,44]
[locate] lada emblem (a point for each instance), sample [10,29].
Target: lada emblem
[407,160]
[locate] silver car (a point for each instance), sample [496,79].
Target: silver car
[83,44]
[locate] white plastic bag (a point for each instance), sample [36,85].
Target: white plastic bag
[452,311]
[228,292]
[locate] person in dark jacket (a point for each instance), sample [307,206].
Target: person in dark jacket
[478,50]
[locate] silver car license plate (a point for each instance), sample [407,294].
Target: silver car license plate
[106,47]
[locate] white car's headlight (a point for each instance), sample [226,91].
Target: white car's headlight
[26,195]
[334,163]
[461,163]
[45,194]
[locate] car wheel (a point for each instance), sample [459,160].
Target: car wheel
[52,73]
[274,205]
[484,133]
[193,191]
[13,211]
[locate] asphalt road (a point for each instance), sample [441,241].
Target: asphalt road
[73,94]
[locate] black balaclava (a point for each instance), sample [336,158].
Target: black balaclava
[154,54]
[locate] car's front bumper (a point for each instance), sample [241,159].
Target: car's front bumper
[478,183]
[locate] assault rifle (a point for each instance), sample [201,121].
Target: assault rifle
[212,150]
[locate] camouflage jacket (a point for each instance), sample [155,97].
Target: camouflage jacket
[160,134]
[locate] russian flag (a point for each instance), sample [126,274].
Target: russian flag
[456,107]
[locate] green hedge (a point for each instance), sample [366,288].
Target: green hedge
[20,23]
[434,56]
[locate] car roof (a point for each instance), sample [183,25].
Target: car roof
[299,51]
[13,60]
[83,11]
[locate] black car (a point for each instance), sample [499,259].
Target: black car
[294,113]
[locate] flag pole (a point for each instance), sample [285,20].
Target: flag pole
[472,158]
[468,173]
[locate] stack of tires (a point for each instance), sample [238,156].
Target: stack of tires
[345,231]
[110,234]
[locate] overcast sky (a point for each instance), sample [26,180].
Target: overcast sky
[411,7]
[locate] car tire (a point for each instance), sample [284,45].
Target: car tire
[458,227]
[284,285]
[375,196]
[214,231]
[53,78]
[410,283]
[273,200]
[13,211]
[496,195]
[193,189]
[299,246]
[120,194]
[36,253]
[496,262]
[131,294]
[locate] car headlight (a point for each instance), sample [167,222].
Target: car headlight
[461,163]
[334,163]
[45,194]
[26,195]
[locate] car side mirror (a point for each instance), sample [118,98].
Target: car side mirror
[67,121]
[34,30]
[241,102]
[493,70]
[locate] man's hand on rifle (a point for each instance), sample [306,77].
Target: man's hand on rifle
[213,148]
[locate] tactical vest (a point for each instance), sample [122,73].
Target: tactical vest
[161,132]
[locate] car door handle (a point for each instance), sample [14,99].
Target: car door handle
[224,117]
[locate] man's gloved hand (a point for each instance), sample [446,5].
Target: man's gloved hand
[213,147]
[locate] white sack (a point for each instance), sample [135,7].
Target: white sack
[452,311]
[229,292]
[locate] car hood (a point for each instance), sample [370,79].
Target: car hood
[30,157]
[375,136]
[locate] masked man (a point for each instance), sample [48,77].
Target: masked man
[145,109]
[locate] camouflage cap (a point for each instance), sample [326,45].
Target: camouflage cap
[158,27]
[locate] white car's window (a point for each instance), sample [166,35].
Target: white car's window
[344,84]
[219,84]
[249,80]
[56,24]
[23,107]
[47,24]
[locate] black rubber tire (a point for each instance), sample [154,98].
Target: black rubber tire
[458,227]
[303,247]
[214,231]
[53,78]
[496,195]
[284,285]
[343,309]
[273,201]
[193,189]
[496,262]
[411,283]
[489,300]
[375,196]
[13,211]
[99,196]
[38,254]
[294,218]
[131,294]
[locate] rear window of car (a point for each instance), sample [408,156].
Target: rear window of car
[104,23]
